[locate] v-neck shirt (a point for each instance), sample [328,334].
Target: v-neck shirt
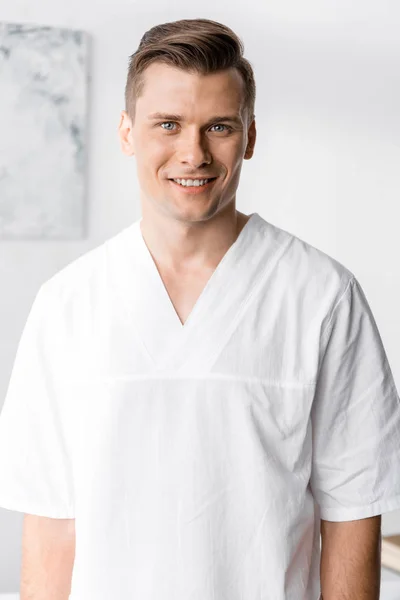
[218,307]
[197,459]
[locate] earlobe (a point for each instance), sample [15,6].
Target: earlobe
[126,148]
[249,152]
[252,134]
[124,133]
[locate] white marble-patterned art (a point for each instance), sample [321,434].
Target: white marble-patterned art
[43,122]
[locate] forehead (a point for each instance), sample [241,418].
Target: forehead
[167,88]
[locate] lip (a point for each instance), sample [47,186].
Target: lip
[200,189]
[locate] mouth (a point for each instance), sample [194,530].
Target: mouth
[194,189]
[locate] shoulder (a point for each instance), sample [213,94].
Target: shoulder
[304,260]
[85,277]
[316,279]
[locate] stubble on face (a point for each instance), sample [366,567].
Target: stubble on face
[191,145]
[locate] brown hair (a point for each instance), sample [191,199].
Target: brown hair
[194,45]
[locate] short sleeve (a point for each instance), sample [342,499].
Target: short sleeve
[355,417]
[35,472]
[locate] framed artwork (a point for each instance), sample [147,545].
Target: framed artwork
[43,124]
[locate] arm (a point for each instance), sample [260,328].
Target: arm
[351,559]
[48,554]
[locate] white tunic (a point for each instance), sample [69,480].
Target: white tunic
[198,459]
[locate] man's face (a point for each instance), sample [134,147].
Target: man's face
[194,145]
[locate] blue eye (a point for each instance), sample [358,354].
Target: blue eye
[166,122]
[220,125]
[172,123]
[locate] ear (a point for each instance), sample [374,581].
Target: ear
[252,134]
[125,134]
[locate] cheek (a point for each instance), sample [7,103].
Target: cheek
[151,156]
[155,153]
[231,153]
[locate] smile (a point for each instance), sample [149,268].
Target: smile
[193,189]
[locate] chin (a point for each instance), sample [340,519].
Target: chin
[190,212]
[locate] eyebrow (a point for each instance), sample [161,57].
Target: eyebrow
[232,118]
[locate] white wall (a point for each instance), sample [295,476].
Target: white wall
[326,163]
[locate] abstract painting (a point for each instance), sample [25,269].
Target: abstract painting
[43,123]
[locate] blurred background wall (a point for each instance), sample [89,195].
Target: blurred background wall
[326,162]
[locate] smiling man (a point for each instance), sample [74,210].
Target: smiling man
[188,167]
[175,153]
[203,398]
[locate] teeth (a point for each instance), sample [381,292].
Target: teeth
[191,182]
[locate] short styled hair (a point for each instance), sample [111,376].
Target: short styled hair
[194,45]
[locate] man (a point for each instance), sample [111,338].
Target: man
[204,395]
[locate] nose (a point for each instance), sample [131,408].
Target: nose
[193,151]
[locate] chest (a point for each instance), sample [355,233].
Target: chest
[246,319]
[184,289]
